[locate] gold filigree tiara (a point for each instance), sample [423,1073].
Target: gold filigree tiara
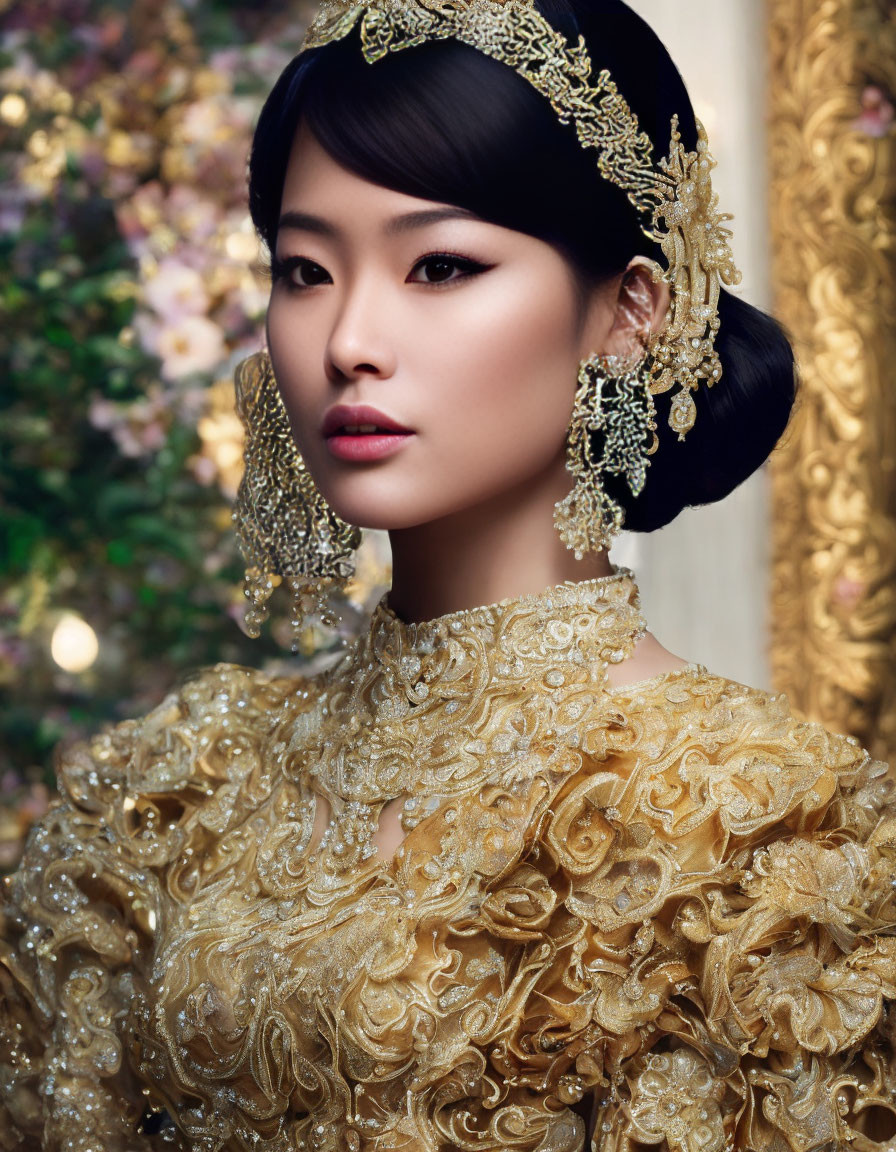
[674,197]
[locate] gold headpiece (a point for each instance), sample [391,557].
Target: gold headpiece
[674,198]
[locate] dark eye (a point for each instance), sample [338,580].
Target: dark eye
[311,273]
[438,268]
[297,272]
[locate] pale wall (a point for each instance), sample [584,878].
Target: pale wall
[704,579]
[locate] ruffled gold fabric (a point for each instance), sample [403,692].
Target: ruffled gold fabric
[667,910]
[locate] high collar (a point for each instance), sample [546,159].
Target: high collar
[501,692]
[576,624]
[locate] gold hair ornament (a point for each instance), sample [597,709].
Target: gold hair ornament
[674,198]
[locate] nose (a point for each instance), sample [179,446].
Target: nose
[360,342]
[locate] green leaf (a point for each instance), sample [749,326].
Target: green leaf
[119,553]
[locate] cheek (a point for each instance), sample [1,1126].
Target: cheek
[508,368]
[296,354]
[486,375]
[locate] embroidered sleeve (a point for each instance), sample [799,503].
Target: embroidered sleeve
[732,872]
[77,927]
[109,867]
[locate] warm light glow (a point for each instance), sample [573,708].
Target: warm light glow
[708,116]
[74,646]
[239,246]
[13,109]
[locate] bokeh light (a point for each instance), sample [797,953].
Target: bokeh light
[74,645]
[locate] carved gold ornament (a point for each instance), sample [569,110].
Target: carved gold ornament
[833,197]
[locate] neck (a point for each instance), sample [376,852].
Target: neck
[502,548]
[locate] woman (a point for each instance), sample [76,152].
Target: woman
[509,875]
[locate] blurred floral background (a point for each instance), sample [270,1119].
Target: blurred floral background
[131,284]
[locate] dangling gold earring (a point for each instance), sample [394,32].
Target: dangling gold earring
[613,399]
[285,528]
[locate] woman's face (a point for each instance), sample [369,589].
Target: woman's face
[466,334]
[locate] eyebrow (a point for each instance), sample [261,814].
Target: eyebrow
[407,222]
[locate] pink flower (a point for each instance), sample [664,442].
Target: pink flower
[849,592]
[193,344]
[145,63]
[191,214]
[137,216]
[210,123]
[136,440]
[102,413]
[176,291]
[877,114]
[190,404]
[226,61]
[204,470]
[237,612]
[139,428]
[242,308]
[265,58]
[120,182]
[149,330]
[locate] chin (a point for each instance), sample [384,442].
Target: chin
[376,501]
[381,516]
[387,515]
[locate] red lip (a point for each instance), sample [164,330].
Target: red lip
[342,415]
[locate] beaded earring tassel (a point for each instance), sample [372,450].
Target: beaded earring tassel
[285,528]
[613,404]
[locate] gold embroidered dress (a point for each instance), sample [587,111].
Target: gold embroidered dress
[671,901]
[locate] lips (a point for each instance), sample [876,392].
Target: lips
[360,420]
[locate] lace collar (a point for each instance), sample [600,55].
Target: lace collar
[432,710]
[573,625]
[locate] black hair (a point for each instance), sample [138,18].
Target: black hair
[442,121]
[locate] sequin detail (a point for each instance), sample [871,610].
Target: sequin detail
[431,713]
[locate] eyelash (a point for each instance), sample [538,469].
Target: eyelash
[282,269]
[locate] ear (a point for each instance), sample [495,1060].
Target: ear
[642,305]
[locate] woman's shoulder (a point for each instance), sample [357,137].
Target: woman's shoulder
[143,802]
[135,832]
[206,729]
[745,754]
[740,858]
[193,765]
[694,695]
